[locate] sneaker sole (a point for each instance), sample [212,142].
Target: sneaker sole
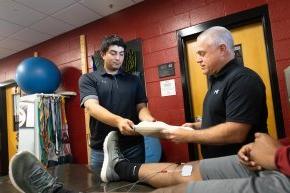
[106,159]
[11,174]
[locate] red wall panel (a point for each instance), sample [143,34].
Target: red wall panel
[279,10]
[255,3]
[187,5]
[160,43]
[234,6]
[208,12]
[175,23]
[278,29]
[155,22]
[145,32]
[282,49]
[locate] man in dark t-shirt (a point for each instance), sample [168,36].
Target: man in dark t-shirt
[236,94]
[234,107]
[115,100]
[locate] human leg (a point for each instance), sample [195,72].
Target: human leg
[227,167]
[157,175]
[180,188]
[269,182]
[220,171]
[96,159]
[135,154]
[227,175]
[28,175]
[166,174]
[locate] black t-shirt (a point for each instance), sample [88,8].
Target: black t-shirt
[235,94]
[119,94]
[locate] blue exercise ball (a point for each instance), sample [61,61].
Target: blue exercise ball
[37,75]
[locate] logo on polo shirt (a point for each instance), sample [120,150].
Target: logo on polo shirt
[104,81]
[216,91]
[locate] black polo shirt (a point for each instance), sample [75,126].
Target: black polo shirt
[119,94]
[235,94]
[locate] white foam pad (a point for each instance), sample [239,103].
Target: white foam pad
[148,128]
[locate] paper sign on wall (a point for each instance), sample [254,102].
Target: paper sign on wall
[167,87]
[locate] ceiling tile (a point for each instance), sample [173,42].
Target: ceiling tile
[52,26]
[84,15]
[18,14]
[5,51]
[137,1]
[13,44]
[2,55]
[106,7]
[7,28]
[24,23]
[32,36]
[47,6]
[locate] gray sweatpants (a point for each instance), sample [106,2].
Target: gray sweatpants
[227,175]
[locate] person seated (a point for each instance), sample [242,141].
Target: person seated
[261,167]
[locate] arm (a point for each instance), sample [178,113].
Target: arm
[240,112]
[225,133]
[263,151]
[266,153]
[100,113]
[144,113]
[245,157]
[195,125]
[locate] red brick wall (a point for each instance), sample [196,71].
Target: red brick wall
[155,22]
[280,22]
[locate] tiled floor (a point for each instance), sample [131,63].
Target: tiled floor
[80,178]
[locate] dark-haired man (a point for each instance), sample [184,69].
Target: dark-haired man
[115,100]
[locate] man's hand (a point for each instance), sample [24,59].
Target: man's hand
[178,134]
[263,151]
[126,126]
[195,125]
[245,159]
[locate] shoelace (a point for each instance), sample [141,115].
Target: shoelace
[116,148]
[42,181]
[118,153]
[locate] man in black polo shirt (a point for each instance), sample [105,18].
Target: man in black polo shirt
[115,100]
[234,107]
